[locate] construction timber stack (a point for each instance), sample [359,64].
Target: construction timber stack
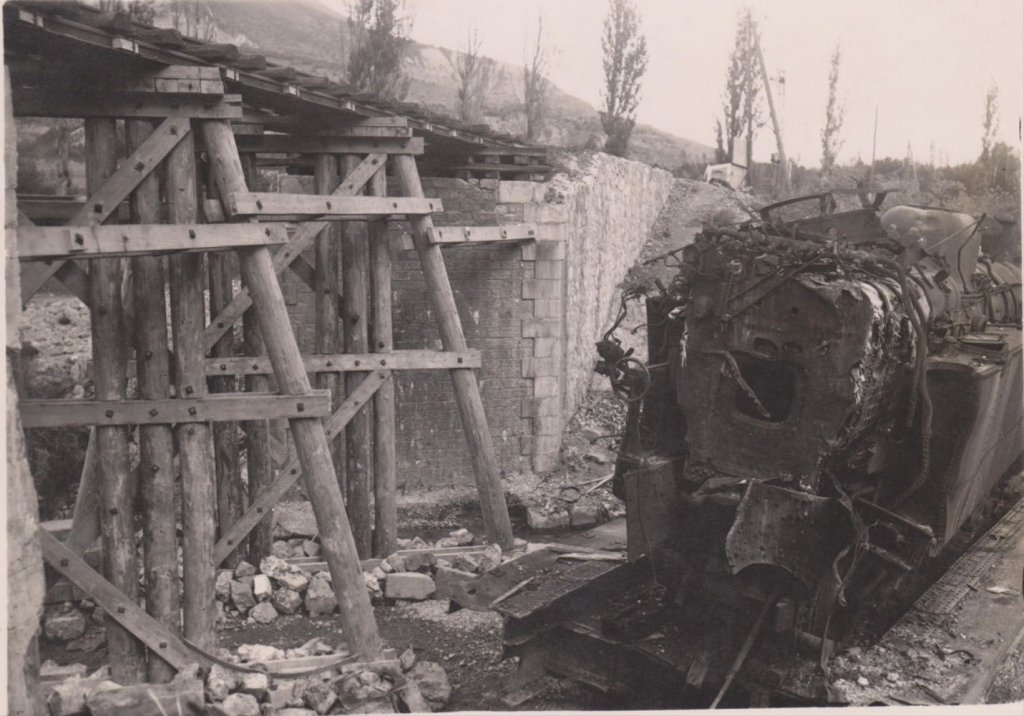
[827,399]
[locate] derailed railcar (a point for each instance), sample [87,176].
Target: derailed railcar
[825,401]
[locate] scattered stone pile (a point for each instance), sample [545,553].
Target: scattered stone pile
[294,581]
[347,688]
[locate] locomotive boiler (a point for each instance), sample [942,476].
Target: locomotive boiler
[825,401]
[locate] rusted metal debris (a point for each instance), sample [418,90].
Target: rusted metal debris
[827,397]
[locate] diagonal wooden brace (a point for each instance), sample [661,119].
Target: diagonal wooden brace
[291,472]
[160,640]
[291,251]
[115,189]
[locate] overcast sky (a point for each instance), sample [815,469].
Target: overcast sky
[926,64]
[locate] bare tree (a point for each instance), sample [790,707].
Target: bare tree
[741,102]
[625,61]
[990,122]
[536,87]
[379,39]
[476,78]
[831,142]
[193,18]
[143,11]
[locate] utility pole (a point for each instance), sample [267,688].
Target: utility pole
[775,119]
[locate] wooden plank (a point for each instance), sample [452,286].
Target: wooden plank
[355,278]
[214,408]
[385,476]
[39,208]
[117,513]
[104,198]
[343,207]
[32,102]
[118,607]
[290,473]
[467,392]
[349,362]
[306,144]
[195,451]
[156,442]
[325,289]
[309,434]
[288,253]
[363,132]
[221,51]
[481,234]
[36,242]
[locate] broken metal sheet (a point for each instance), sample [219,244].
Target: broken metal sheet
[784,528]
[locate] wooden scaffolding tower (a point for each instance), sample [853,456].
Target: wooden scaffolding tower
[188,190]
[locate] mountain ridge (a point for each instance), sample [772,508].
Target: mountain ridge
[310,36]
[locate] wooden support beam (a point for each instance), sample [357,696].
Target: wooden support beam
[225,435]
[355,250]
[356,613]
[217,52]
[156,442]
[467,392]
[329,144]
[481,234]
[104,198]
[195,449]
[128,615]
[53,242]
[117,519]
[325,290]
[349,362]
[290,472]
[385,471]
[219,407]
[54,102]
[362,132]
[259,461]
[288,253]
[341,208]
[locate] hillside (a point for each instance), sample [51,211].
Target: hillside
[311,36]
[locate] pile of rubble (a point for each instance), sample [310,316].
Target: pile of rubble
[298,582]
[321,681]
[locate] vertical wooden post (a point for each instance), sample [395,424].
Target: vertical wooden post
[156,443]
[225,434]
[467,392]
[117,524]
[326,179]
[310,439]
[25,585]
[259,465]
[195,450]
[385,510]
[359,432]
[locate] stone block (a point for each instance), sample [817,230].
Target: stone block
[546,213]
[254,684]
[519,192]
[550,250]
[261,587]
[263,613]
[240,705]
[542,288]
[408,585]
[586,515]
[320,597]
[541,328]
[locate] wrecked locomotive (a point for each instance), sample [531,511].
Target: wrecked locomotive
[826,400]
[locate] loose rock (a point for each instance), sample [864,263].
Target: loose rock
[585,515]
[319,697]
[259,653]
[320,597]
[433,683]
[222,587]
[220,682]
[241,594]
[254,684]
[261,588]
[244,569]
[408,585]
[539,519]
[491,557]
[311,548]
[286,601]
[241,705]
[407,659]
[286,575]
[263,613]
